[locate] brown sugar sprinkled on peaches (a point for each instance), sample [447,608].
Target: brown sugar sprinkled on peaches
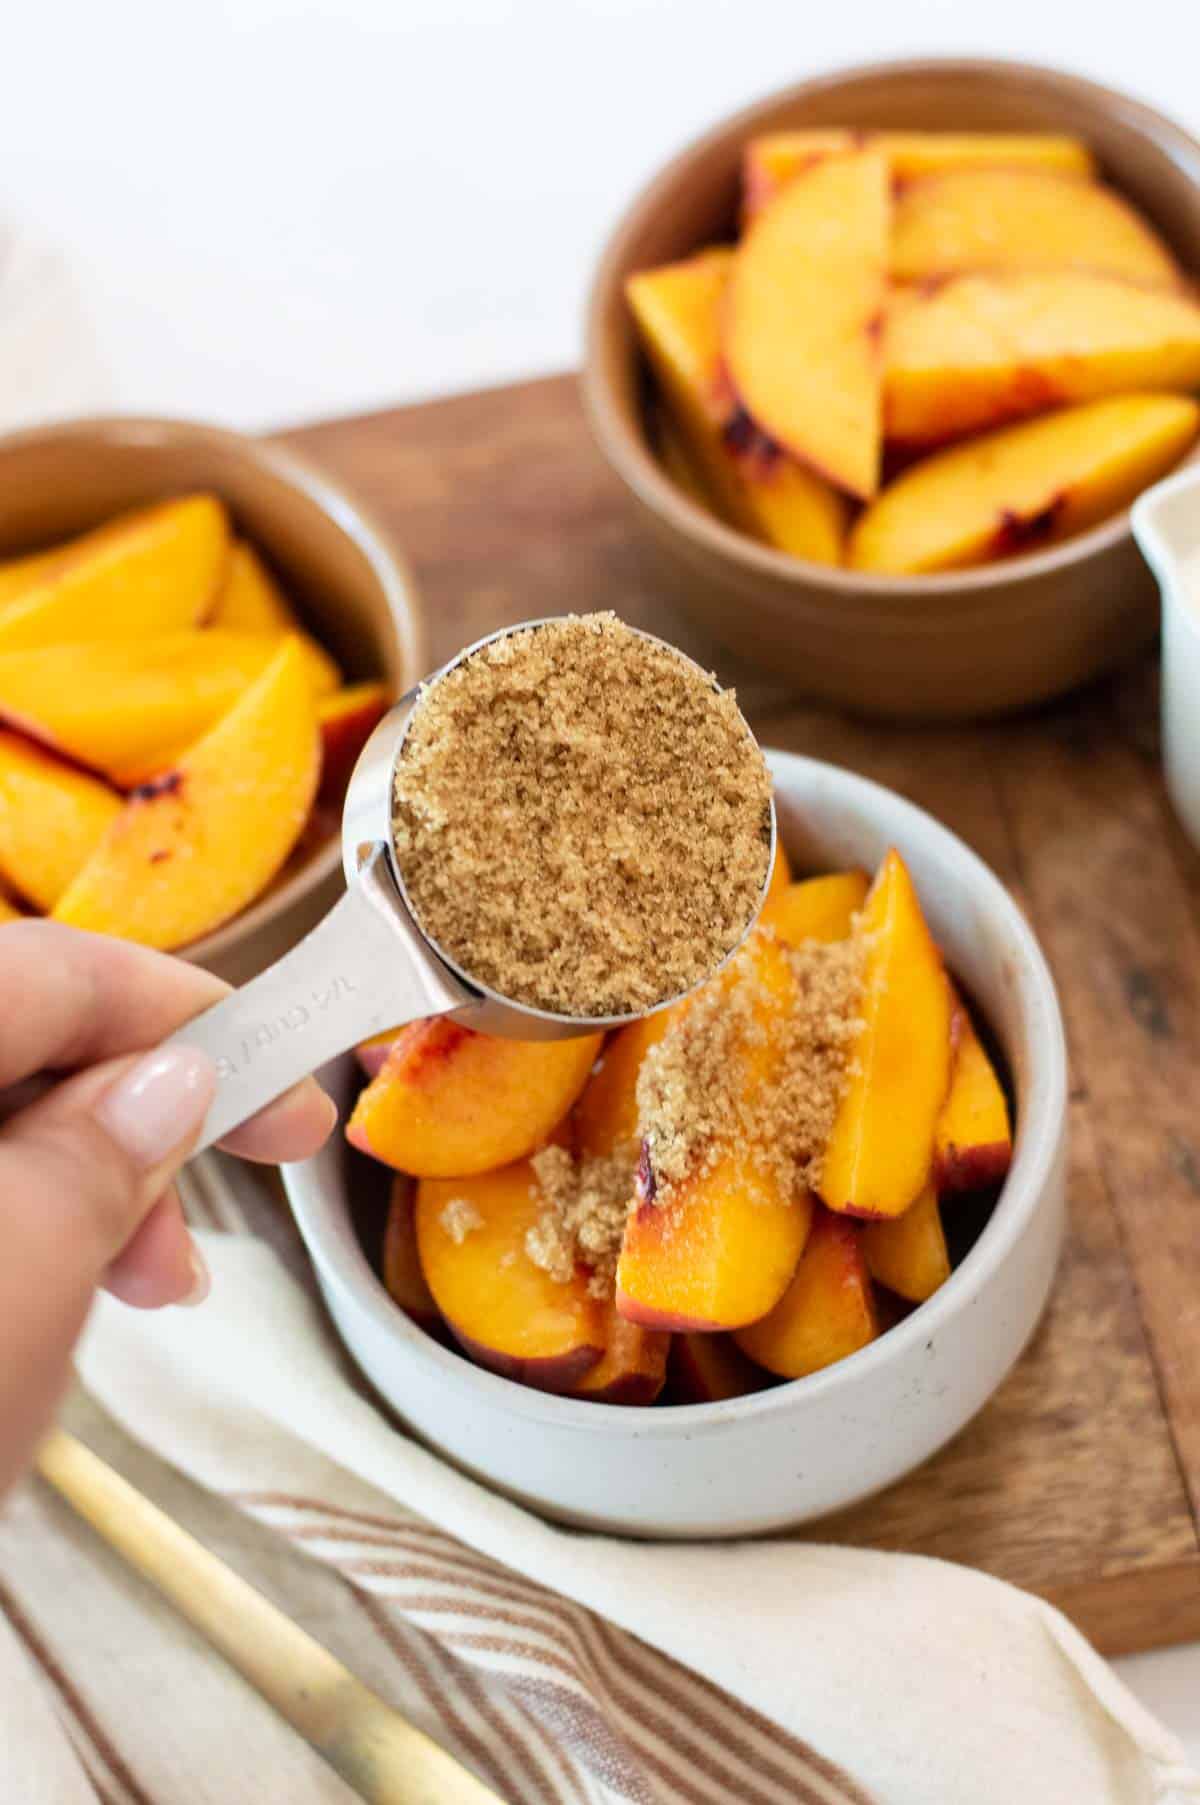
[735,1179]
[460,1218]
[693,1105]
[582,818]
[586,1203]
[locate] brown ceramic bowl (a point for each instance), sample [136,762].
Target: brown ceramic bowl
[968,643]
[348,582]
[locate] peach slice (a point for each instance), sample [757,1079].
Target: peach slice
[195,846]
[880,1148]
[402,1274]
[828,1310]
[775,158]
[730,1240]
[504,1311]
[722,1250]
[678,312]
[707,1369]
[20,574]
[633,1367]
[804,317]
[1021,219]
[155,571]
[52,818]
[908,1254]
[606,1115]
[973,1148]
[129,707]
[818,908]
[1023,487]
[978,350]
[781,873]
[251,601]
[347,719]
[448,1102]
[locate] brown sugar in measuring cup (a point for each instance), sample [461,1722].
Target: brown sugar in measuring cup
[568,827]
[582,818]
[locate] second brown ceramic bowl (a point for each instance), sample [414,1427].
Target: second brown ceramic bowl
[350,585]
[967,643]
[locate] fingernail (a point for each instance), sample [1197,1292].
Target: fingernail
[201,1280]
[159,1104]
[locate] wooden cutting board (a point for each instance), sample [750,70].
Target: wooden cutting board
[1081,1479]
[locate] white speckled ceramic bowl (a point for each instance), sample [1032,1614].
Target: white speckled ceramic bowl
[803,1449]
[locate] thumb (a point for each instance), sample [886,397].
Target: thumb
[80,1170]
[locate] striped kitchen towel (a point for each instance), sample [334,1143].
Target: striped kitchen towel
[566,1669]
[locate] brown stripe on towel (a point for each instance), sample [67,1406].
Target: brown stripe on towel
[105,1766]
[641,1724]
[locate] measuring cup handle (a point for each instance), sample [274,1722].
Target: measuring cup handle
[362,970]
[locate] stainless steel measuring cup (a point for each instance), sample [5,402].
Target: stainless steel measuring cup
[369,965]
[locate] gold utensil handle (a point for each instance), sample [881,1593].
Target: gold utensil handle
[384,1758]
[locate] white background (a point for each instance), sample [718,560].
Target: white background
[272,210]
[279,209]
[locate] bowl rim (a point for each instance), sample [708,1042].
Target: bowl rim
[628,451]
[356,522]
[1041,1128]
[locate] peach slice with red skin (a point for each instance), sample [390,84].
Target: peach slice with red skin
[804,317]
[976,350]
[775,158]
[347,718]
[729,1239]
[721,1249]
[973,1147]
[827,1311]
[817,908]
[402,1274]
[633,1366]
[504,1311]
[154,571]
[709,1369]
[448,1102]
[1022,487]
[908,1254]
[678,310]
[130,708]
[880,1149]
[1021,219]
[52,819]
[201,842]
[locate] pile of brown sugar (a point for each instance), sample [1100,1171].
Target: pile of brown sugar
[582,818]
[693,1107]
[585,1203]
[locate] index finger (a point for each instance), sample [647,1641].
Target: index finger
[73,999]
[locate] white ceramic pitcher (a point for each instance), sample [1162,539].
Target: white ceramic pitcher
[1166,525]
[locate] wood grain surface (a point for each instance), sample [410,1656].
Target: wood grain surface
[1081,1479]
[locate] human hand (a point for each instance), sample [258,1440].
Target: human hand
[93,1129]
